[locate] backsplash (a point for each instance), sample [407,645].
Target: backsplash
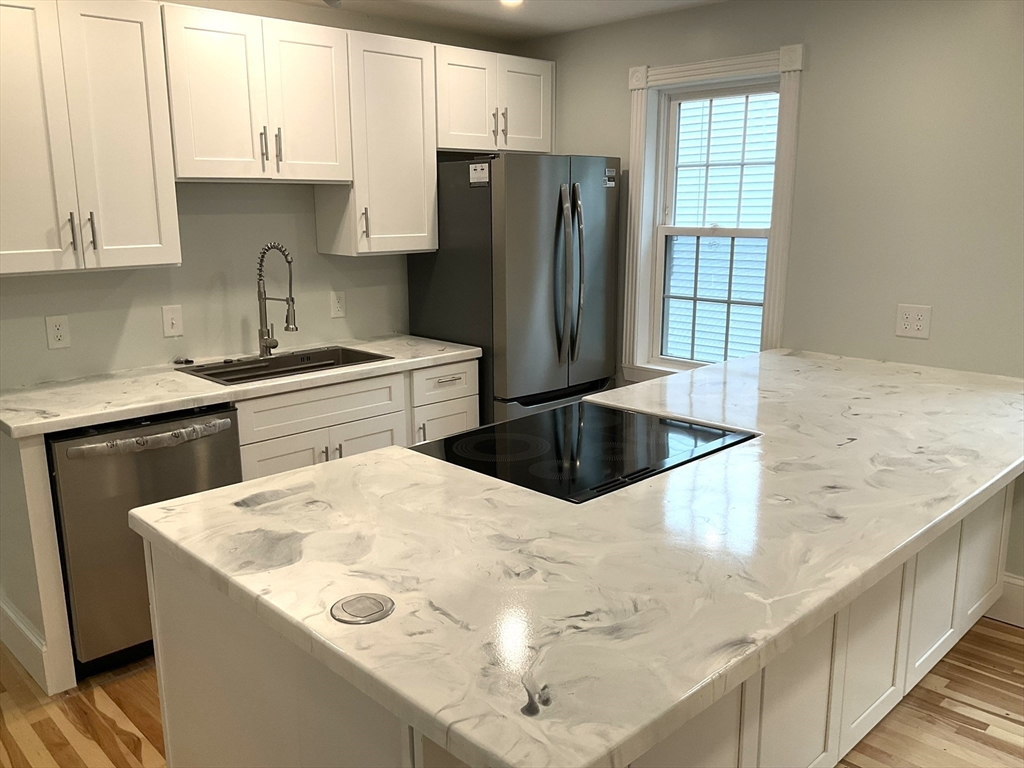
[115,317]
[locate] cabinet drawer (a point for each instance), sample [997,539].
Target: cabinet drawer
[432,422]
[287,414]
[444,382]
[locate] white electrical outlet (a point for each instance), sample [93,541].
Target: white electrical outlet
[337,303]
[58,332]
[173,324]
[913,321]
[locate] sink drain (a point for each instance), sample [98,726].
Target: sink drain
[364,608]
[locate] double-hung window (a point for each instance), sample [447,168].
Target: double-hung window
[718,173]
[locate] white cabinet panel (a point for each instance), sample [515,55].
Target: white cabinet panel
[979,580]
[710,740]
[932,626]
[284,453]
[117,93]
[797,725]
[218,95]
[874,629]
[35,143]
[368,435]
[307,98]
[392,204]
[524,93]
[467,98]
[432,422]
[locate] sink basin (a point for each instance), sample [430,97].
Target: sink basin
[246,369]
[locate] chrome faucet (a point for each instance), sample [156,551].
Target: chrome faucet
[267,341]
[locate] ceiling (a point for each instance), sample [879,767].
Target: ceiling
[534,18]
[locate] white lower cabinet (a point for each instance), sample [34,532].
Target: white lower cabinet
[982,557]
[432,422]
[285,453]
[710,740]
[368,435]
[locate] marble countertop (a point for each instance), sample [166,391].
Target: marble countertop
[529,631]
[160,389]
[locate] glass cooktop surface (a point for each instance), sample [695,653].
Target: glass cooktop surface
[581,451]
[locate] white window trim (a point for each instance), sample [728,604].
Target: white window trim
[652,89]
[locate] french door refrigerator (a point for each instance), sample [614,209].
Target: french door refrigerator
[526,270]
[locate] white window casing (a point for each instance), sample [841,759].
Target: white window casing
[653,90]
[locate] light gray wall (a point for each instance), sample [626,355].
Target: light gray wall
[910,165]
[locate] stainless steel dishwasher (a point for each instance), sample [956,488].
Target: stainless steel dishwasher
[98,476]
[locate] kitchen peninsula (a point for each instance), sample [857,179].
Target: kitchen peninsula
[765,605]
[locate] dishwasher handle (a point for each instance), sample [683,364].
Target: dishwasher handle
[150,442]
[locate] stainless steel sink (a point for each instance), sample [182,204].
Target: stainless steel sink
[246,369]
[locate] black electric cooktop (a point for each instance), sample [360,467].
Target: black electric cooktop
[581,451]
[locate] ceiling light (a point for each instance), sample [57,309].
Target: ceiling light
[511,3]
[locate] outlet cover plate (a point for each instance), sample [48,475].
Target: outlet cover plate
[173,324]
[58,332]
[914,321]
[337,304]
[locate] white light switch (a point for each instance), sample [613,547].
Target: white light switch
[173,325]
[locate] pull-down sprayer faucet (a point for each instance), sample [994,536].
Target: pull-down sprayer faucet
[267,340]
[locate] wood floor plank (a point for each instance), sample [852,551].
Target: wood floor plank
[63,753]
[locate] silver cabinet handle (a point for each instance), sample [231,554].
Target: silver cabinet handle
[340,454]
[74,233]
[280,147]
[366,217]
[92,226]
[327,453]
[579,296]
[495,126]
[150,442]
[449,379]
[504,130]
[423,431]
[563,345]
[264,149]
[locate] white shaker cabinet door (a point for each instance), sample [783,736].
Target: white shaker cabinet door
[467,98]
[218,94]
[39,202]
[368,434]
[437,420]
[524,96]
[285,453]
[982,553]
[121,133]
[394,144]
[307,100]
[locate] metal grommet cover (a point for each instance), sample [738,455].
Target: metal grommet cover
[364,608]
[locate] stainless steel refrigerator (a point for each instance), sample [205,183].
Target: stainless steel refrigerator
[525,269]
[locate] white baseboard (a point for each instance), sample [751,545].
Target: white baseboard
[22,640]
[1010,606]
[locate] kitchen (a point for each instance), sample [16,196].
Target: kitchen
[873,156]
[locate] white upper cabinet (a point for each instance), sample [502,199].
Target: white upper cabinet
[467,98]
[524,93]
[121,133]
[391,206]
[307,99]
[36,233]
[488,101]
[85,137]
[256,98]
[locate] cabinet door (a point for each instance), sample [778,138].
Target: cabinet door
[121,132]
[980,578]
[798,722]
[368,435]
[432,422]
[710,740]
[307,101]
[394,144]
[218,93]
[467,98]
[872,633]
[35,143]
[524,95]
[284,453]
[932,626]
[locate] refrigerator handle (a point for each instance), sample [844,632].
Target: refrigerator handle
[578,328]
[563,346]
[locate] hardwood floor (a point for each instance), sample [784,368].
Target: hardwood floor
[968,711]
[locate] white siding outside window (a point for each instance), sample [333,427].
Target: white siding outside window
[713,241]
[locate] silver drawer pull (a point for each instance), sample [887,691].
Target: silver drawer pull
[449,379]
[150,442]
